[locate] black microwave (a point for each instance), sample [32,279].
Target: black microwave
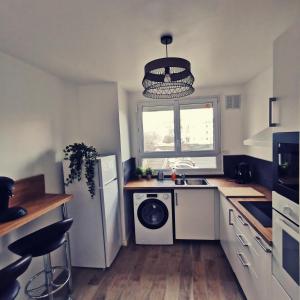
[286,164]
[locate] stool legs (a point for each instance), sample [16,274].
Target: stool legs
[64,211]
[48,275]
[68,261]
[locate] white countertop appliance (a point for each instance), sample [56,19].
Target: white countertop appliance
[153,218]
[95,236]
[285,202]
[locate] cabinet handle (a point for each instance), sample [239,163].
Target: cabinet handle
[242,221]
[271,123]
[229,216]
[241,239]
[176,199]
[259,241]
[290,225]
[242,260]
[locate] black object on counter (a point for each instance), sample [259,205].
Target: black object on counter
[160,175]
[243,173]
[6,192]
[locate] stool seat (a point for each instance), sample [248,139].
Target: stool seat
[9,286]
[43,241]
[11,291]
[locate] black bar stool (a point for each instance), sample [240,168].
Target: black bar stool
[9,286]
[42,243]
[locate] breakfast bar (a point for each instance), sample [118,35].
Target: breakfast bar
[30,194]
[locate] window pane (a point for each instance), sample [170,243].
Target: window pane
[197,128]
[158,127]
[180,163]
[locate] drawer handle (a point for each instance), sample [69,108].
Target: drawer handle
[242,260]
[242,221]
[241,239]
[230,211]
[260,243]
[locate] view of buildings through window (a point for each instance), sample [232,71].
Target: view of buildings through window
[196,134]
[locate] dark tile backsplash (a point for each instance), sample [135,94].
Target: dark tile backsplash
[261,169]
[129,169]
[230,162]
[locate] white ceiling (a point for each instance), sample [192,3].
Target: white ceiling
[227,41]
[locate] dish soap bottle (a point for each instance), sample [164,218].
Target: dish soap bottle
[173,175]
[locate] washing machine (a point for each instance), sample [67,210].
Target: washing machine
[153,218]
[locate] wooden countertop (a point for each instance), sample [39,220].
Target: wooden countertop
[30,194]
[215,182]
[265,232]
[157,184]
[225,182]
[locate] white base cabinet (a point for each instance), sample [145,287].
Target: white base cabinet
[278,293]
[227,237]
[249,255]
[195,214]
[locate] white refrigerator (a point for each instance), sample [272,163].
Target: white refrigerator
[95,236]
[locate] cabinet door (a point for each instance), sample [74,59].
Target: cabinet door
[227,235]
[194,214]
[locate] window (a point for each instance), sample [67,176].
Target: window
[158,129]
[181,134]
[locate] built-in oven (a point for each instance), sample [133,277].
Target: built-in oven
[285,261]
[285,203]
[286,165]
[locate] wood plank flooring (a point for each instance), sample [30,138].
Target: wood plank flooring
[186,270]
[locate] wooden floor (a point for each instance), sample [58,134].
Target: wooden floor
[186,270]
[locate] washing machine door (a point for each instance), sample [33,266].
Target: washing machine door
[153,213]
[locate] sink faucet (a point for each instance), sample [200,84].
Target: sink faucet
[183,176]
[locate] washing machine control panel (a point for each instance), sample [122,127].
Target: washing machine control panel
[139,196]
[142,196]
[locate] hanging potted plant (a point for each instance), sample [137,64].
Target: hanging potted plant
[81,155]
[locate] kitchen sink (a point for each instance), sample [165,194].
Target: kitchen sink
[196,181]
[191,181]
[261,210]
[180,181]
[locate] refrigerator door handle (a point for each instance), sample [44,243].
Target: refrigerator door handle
[108,182]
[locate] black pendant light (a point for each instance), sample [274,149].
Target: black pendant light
[169,77]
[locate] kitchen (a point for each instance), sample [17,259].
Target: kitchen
[69,73]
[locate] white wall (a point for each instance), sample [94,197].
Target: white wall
[125,155]
[256,110]
[124,123]
[98,119]
[231,120]
[32,137]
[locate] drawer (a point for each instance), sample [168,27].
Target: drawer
[242,224]
[258,261]
[245,245]
[257,242]
[247,277]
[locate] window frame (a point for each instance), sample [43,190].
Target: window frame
[175,104]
